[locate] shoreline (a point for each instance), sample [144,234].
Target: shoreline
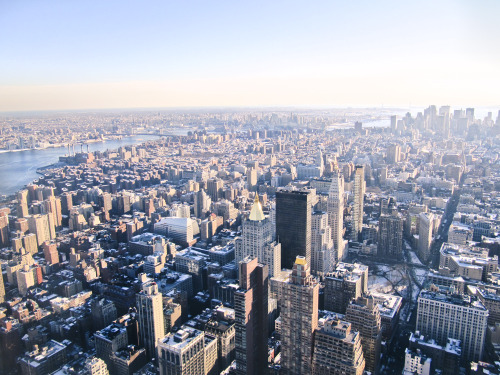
[10,191]
[59,145]
[90,141]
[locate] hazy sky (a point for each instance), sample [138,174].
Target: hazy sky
[72,54]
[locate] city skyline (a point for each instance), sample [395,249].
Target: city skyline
[119,55]
[249,188]
[203,248]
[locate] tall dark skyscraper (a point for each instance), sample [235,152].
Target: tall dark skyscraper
[250,307]
[390,236]
[293,225]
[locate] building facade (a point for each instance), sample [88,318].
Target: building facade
[441,316]
[257,240]
[348,281]
[364,315]
[299,319]
[149,305]
[322,248]
[251,309]
[293,225]
[390,236]
[335,209]
[425,221]
[337,350]
[182,353]
[359,199]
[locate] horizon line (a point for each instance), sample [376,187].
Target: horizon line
[242,107]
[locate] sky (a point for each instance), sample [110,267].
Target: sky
[86,54]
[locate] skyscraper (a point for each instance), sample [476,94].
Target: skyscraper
[106,201]
[4,229]
[364,315]
[150,316]
[336,214]
[52,206]
[425,221]
[251,308]
[202,204]
[320,162]
[257,240]
[41,226]
[22,203]
[394,120]
[393,154]
[124,202]
[103,312]
[2,289]
[322,250]
[26,278]
[67,202]
[359,197]
[214,188]
[50,252]
[293,225]
[390,236]
[348,281]
[299,319]
[251,179]
[337,350]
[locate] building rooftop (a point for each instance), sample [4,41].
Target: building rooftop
[340,329]
[388,304]
[40,354]
[452,345]
[128,352]
[111,331]
[488,294]
[256,213]
[454,299]
[192,254]
[181,338]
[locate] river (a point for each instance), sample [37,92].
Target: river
[19,168]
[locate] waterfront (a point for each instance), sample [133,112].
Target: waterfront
[19,168]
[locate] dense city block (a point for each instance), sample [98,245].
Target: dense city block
[253,242]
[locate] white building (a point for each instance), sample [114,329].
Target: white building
[322,249]
[182,352]
[257,240]
[335,206]
[180,229]
[441,316]
[425,235]
[180,210]
[149,305]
